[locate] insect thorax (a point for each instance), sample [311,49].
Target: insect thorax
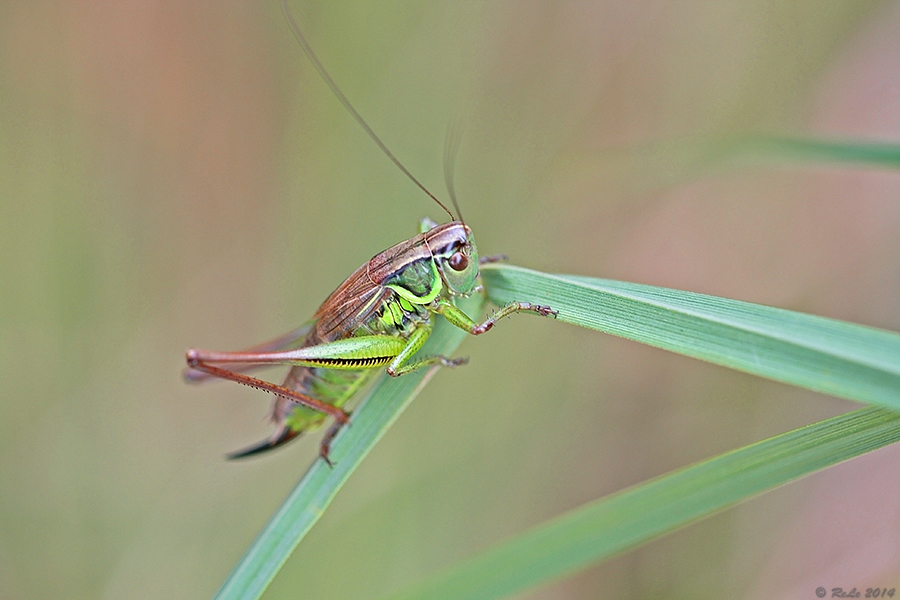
[413,288]
[396,316]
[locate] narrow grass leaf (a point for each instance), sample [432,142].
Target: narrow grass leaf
[623,520]
[834,152]
[318,487]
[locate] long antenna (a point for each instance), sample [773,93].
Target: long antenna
[451,148]
[295,29]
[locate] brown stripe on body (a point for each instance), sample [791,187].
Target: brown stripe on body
[357,298]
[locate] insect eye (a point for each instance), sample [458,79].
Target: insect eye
[458,261]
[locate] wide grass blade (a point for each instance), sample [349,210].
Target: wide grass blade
[308,501]
[824,355]
[623,520]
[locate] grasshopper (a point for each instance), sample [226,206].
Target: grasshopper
[380,316]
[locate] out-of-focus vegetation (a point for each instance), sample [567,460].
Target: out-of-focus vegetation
[175,176]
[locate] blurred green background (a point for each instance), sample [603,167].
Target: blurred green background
[174,175]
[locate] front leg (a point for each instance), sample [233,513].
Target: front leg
[460,319]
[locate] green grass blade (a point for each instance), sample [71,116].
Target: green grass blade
[821,354]
[623,520]
[818,151]
[318,487]
[824,355]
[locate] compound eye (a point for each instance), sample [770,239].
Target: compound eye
[458,261]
